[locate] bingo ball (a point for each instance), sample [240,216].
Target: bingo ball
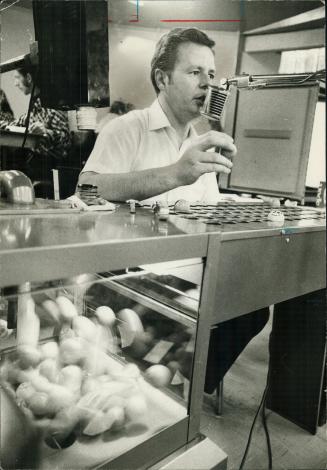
[182,206]
[158,375]
[276,216]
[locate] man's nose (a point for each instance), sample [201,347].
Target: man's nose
[204,81]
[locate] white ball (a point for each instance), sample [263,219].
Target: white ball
[135,407]
[158,375]
[105,315]
[50,350]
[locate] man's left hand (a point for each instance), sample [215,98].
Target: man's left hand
[39,129]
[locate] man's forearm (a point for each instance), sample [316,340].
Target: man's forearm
[137,185]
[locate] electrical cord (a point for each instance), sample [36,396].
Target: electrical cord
[265,427]
[319,74]
[27,122]
[252,429]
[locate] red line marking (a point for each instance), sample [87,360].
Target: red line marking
[133,21]
[199,21]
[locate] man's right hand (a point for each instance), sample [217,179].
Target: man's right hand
[196,161]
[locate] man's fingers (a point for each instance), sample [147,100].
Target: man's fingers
[216,158]
[35,127]
[215,139]
[227,153]
[215,168]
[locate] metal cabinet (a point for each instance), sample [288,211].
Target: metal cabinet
[148,362]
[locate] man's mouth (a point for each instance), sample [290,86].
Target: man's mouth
[199,100]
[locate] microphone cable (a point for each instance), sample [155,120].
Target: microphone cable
[27,122]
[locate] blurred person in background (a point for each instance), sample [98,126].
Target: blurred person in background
[118,108]
[6,113]
[50,124]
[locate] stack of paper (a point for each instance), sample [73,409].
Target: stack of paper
[86,118]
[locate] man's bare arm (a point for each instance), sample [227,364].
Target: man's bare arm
[137,185]
[143,184]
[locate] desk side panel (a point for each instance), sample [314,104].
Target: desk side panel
[257,272]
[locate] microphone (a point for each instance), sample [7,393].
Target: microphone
[214,103]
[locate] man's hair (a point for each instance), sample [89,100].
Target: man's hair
[166,49]
[118,107]
[27,68]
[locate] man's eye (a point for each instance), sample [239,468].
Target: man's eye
[195,72]
[211,76]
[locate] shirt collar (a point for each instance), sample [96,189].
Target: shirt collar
[158,119]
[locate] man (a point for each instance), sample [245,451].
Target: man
[155,153]
[50,124]
[6,114]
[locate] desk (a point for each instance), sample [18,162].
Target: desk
[15,139]
[252,264]
[34,165]
[12,156]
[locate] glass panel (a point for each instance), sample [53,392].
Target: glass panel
[101,360]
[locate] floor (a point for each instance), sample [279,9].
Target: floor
[292,447]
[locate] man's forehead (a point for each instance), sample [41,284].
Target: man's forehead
[190,53]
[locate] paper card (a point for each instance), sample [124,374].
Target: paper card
[178,378]
[158,351]
[190,345]
[126,335]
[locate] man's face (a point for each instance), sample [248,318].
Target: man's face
[23,83]
[187,87]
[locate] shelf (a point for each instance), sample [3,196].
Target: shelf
[309,19]
[157,296]
[286,41]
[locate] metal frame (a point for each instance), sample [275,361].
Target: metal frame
[23,265]
[69,260]
[206,312]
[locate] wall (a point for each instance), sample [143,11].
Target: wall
[260,63]
[131,49]
[17,32]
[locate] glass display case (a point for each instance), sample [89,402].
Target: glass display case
[104,365]
[106,318]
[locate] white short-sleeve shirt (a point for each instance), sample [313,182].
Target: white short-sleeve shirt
[144,139]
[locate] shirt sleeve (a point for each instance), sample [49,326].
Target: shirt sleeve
[115,148]
[59,130]
[57,140]
[20,121]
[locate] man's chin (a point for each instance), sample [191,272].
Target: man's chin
[196,111]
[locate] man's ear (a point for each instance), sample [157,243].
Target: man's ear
[161,78]
[29,78]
